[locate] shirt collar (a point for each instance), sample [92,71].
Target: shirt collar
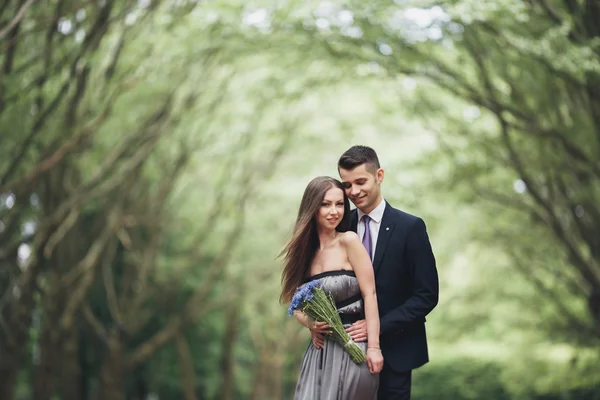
[377,213]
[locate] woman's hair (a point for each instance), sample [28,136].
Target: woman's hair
[300,251]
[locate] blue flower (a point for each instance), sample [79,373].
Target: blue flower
[297,300]
[308,291]
[304,293]
[298,297]
[293,306]
[309,296]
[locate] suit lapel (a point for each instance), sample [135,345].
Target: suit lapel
[385,232]
[354,221]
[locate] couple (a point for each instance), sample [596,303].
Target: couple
[377,264]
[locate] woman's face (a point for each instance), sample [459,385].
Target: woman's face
[331,211]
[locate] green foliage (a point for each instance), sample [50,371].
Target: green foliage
[196,126]
[460,379]
[473,378]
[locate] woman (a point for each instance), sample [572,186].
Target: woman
[322,248]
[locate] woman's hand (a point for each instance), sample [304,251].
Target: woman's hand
[319,327]
[318,340]
[374,359]
[317,330]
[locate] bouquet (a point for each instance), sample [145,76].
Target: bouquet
[312,300]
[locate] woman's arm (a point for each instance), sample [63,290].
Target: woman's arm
[361,264]
[304,319]
[314,326]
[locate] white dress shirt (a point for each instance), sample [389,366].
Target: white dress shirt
[376,215]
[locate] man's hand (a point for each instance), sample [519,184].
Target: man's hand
[358,331]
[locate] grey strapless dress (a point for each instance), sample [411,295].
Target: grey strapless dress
[330,373]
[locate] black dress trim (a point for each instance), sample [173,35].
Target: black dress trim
[348,301]
[346,272]
[351,318]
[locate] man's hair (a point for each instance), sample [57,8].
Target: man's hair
[358,155]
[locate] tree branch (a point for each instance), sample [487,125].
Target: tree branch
[17,19]
[554,221]
[109,286]
[58,235]
[94,323]
[67,147]
[550,295]
[85,267]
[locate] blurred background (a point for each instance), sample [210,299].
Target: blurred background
[153,154]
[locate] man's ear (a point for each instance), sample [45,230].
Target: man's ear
[379,175]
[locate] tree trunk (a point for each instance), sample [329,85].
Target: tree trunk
[67,254]
[258,390]
[71,384]
[113,369]
[13,343]
[227,360]
[140,389]
[44,373]
[274,379]
[186,365]
[8,374]
[7,348]
[43,381]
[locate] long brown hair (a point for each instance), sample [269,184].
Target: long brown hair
[300,251]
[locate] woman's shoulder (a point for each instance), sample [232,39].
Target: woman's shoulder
[349,237]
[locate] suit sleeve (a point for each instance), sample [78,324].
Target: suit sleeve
[425,283]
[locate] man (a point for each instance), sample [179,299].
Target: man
[405,272]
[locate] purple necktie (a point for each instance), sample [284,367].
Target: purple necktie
[366,241]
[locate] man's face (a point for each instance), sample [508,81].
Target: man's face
[362,187]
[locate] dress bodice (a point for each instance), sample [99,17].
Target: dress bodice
[343,287]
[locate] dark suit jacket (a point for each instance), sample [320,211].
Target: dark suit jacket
[407,287]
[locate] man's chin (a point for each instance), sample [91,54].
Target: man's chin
[358,202]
